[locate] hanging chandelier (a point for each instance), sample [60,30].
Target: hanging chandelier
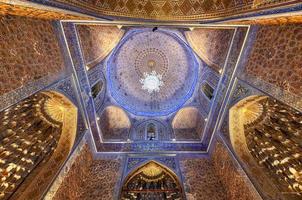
[151,82]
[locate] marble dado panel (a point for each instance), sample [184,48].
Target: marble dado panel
[29,51]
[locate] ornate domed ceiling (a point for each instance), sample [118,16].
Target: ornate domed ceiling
[152,73]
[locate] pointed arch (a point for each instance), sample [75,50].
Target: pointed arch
[139,131]
[114,123]
[188,124]
[37,134]
[151,180]
[266,136]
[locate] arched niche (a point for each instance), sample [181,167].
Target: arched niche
[114,123]
[188,124]
[151,131]
[207,90]
[266,135]
[97,88]
[151,181]
[140,130]
[37,135]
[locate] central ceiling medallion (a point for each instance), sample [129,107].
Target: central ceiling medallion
[152,82]
[151,63]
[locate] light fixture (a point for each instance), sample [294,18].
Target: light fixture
[151,82]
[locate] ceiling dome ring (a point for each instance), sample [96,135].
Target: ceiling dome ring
[142,53]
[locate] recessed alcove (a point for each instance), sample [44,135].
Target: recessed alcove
[151,181]
[114,124]
[188,124]
[37,135]
[96,88]
[265,135]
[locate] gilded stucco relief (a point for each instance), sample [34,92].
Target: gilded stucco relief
[46,13]
[173,10]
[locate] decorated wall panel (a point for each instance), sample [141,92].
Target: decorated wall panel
[274,57]
[200,180]
[90,179]
[29,51]
[236,182]
[150,146]
[81,75]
